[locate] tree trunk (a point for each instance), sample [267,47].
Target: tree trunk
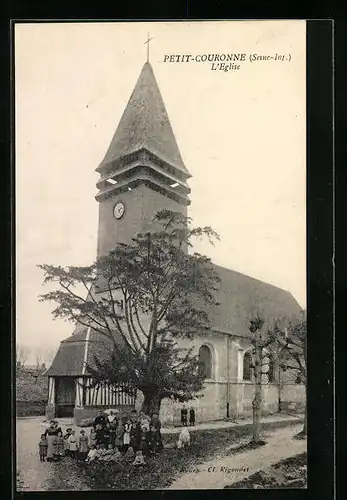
[151,403]
[256,403]
[303,433]
[304,430]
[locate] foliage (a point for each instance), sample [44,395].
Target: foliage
[290,345]
[154,293]
[30,388]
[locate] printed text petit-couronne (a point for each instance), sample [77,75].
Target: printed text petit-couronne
[225,61]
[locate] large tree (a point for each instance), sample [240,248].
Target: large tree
[154,293]
[290,340]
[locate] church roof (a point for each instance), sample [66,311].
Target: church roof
[145,124]
[240,297]
[77,351]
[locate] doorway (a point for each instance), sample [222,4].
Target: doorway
[65,396]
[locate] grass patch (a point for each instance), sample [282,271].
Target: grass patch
[161,470]
[288,473]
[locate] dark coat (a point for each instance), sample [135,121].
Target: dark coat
[102,436]
[184,413]
[100,420]
[136,436]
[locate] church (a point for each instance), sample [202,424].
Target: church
[143,172]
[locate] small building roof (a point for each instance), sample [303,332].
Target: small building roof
[77,351]
[145,125]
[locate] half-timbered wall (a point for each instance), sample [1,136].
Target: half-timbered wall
[106,394]
[79,392]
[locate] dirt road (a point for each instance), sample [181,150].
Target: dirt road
[33,475]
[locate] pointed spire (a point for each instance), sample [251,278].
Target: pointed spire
[145,124]
[147,42]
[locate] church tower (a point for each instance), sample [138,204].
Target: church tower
[142,171]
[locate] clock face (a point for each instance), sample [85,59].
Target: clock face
[119,210]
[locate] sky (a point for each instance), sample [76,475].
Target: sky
[241,133]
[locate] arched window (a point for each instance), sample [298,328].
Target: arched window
[247,366]
[271,371]
[205,361]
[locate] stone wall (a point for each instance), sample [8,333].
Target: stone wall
[88,412]
[214,401]
[211,406]
[293,397]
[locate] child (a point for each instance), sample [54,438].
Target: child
[136,435]
[92,454]
[108,454]
[118,433]
[102,452]
[192,416]
[129,453]
[66,442]
[126,435]
[183,439]
[92,437]
[151,440]
[117,456]
[184,413]
[43,445]
[107,438]
[97,452]
[139,460]
[72,444]
[157,426]
[145,421]
[59,451]
[83,445]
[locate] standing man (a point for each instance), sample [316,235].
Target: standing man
[100,419]
[184,416]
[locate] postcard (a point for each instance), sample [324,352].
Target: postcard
[160,255]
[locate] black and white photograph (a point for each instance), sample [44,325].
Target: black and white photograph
[160,186]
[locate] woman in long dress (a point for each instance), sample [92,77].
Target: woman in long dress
[51,435]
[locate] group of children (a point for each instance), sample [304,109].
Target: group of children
[184,416]
[111,438]
[53,445]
